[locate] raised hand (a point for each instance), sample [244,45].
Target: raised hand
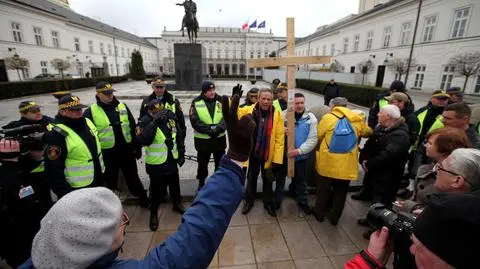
[237,90]
[240,132]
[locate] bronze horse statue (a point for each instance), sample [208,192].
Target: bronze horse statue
[190,20]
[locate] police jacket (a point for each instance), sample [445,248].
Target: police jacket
[149,127]
[431,118]
[217,140]
[174,102]
[202,228]
[121,145]
[56,152]
[24,121]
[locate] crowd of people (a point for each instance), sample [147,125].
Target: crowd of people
[412,160]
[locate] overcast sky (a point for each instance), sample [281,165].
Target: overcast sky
[149,17]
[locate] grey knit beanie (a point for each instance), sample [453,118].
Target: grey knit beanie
[78,230]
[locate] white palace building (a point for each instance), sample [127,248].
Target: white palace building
[383,31]
[41,30]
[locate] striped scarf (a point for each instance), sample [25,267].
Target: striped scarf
[264,132]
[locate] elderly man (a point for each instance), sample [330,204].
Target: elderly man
[459,172]
[384,156]
[445,236]
[456,95]
[337,157]
[457,115]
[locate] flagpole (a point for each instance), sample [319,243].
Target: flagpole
[246,41]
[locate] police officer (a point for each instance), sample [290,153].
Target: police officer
[73,154]
[116,128]
[281,102]
[22,203]
[380,102]
[31,114]
[159,136]
[209,129]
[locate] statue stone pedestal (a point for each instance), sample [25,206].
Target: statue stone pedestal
[189,66]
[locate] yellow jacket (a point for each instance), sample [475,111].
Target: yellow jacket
[334,165]
[277,139]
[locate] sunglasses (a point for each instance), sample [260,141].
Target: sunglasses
[159,86]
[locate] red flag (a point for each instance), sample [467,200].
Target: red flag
[245,26]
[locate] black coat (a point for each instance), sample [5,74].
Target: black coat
[121,145]
[432,114]
[372,114]
[55,164]
[386,152]
[413,126]
[330,91]
[24,121]
[180,118]
[215,143]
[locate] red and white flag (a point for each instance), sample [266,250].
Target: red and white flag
[245,25]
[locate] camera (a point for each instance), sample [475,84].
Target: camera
[400,227]
[29,136]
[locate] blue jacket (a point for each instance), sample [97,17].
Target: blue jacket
[203,225]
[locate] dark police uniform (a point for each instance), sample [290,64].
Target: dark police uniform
[159,136]
[73,156]
[116,130]
[209,133]
[23,203]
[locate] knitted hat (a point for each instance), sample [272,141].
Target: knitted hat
[339,101]
[207,85]
[397,86]
[450,227]
[78,230]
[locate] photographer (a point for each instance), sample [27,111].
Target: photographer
[23,203]
[86,228]
[454,216]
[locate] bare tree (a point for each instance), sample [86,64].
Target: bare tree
[336,67]
[466,65]
[365,67]
[60,65]
[16,63]
[400,66]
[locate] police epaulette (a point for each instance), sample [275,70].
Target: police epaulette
[60,131]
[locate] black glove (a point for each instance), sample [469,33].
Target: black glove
[181,159]
[240,132]
[237,90]
[138,154]
[160,115]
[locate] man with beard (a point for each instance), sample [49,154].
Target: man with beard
[116,128]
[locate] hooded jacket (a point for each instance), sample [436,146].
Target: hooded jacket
[333,165]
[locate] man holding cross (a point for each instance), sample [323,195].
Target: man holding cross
[267,152]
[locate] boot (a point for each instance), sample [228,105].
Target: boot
[179,208]
[306,209]
[153,221]
[271,210]
[201,183]
[246,208]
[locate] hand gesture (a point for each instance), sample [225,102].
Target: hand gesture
[10,149]
[237,90]
[240,132]
[380,246]
[181,159]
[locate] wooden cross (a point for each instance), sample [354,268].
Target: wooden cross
[291,61]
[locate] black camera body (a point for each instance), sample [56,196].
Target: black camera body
[400,227]
[29,136]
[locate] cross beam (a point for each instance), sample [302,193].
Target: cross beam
[291,61]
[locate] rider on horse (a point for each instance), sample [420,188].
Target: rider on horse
[190,9]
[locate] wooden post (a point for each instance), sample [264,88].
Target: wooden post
[291,71]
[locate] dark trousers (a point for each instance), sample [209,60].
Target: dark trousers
[255,167]
[203,157]
[159,180]
[298,184]
[334,189]
[127,163]
[384,190]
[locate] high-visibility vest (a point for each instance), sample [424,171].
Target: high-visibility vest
[104,127]
[204,116]
[171,106]
[157,152]
[79,169]
[382,102]
[276,105]
[39,169]
[437,124]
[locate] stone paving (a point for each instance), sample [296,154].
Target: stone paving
[257,240]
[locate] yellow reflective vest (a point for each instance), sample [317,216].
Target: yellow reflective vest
[157,152]
[204,116]
[104,127]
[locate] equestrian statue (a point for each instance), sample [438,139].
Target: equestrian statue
[190,19]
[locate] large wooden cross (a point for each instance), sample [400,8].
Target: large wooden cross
[291,61]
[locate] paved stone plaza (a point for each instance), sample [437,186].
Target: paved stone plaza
[257,240]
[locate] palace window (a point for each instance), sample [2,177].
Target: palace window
[17,32]
[405,34]
[429,30]
[460,22]
[37,32]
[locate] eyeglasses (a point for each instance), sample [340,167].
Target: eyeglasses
[125,220]
[159,87]
[440,168]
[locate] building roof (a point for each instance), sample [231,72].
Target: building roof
[342,22]
[75,18]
